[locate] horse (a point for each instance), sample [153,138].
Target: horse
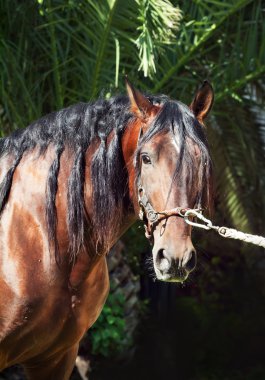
[72,183]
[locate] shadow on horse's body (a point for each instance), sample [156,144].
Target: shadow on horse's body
[68,191]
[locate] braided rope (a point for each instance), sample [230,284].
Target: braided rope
[248,238]
[223,231]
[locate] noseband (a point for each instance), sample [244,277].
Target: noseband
[151,217]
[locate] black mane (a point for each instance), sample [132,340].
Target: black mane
[75,127]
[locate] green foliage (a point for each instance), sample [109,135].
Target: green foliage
[108,333]
[219,40]
[56,53]
[158,23]
[136,244]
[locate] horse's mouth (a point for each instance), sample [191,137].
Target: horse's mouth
[179,276]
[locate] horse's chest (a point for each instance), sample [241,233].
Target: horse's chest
[56,320]
[88,301]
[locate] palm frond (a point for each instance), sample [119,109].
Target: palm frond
[237,137]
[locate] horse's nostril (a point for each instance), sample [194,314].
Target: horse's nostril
[162,260]
[191,262]
[160,254]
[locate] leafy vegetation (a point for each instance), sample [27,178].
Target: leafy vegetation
[108,333]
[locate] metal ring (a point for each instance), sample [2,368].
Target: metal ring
[208,224]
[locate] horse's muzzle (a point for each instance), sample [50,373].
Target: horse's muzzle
[172,269]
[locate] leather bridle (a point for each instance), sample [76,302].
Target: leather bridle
[151,217]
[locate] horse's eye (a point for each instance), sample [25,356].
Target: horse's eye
[146,159]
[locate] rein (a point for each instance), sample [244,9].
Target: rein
[151,217]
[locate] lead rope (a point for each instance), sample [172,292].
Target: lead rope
[223,231]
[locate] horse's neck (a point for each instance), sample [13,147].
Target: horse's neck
[129,145]
[92,253]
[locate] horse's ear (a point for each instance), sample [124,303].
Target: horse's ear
[203,101]
[140,105]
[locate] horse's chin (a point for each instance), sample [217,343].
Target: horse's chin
[170,277]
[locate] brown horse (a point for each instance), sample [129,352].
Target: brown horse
[71,184]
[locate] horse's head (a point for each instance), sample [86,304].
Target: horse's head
[172,173]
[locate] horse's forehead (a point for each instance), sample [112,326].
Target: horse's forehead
[167,147]
[163,141]
[168,144]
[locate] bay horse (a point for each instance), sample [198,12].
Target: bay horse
[71,184]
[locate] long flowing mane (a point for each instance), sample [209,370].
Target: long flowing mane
[77,127]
